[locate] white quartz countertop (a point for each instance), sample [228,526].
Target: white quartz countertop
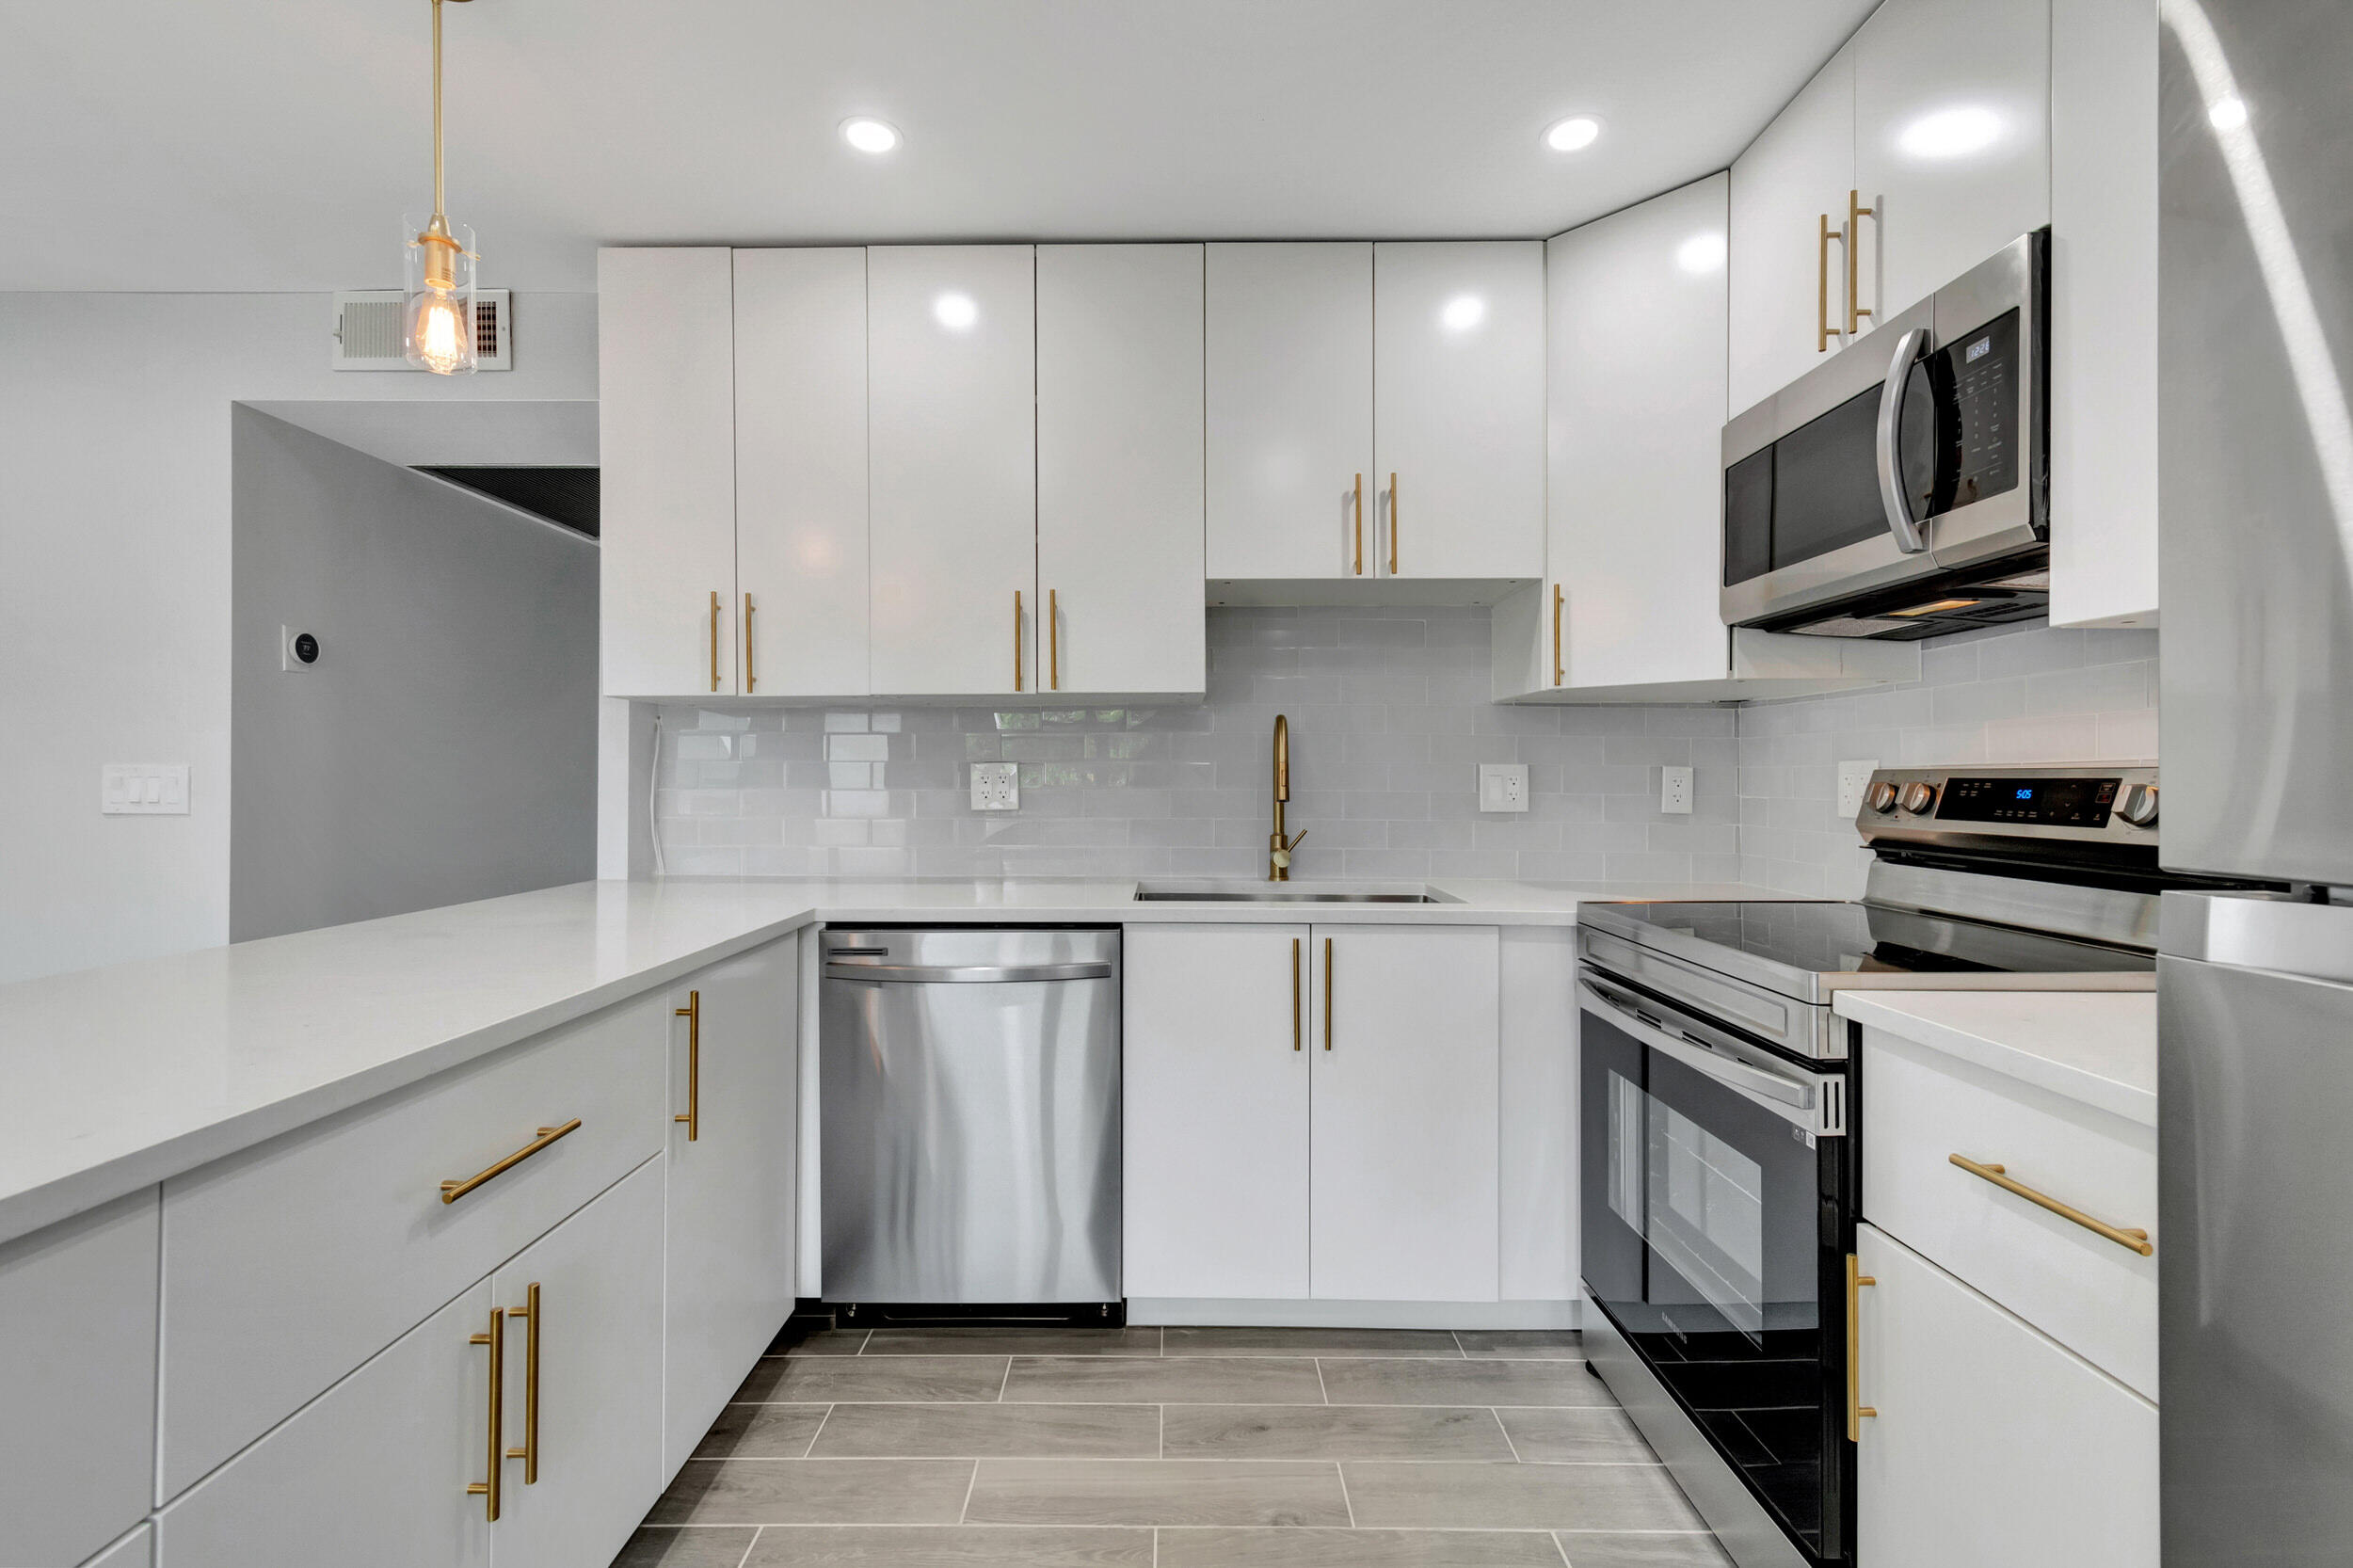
[114,1079]
[2098,1047]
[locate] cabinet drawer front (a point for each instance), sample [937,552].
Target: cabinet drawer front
[2088,1291]
[288,1266]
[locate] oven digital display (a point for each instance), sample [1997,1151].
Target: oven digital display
[2047,802]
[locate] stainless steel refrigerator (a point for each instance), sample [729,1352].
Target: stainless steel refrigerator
[2255,995]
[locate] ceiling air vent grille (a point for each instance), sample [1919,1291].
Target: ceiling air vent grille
[367,330]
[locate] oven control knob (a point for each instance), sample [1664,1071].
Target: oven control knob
[1882,797]
[2140,805]
[1919,798]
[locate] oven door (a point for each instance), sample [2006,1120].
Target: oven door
[1714,1223]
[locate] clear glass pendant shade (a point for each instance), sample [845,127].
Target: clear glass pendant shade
[438,326]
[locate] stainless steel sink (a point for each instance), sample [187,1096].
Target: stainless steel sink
[1278,893]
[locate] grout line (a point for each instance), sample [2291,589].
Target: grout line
[1006,1380]
[1458,1349]
[1562,1549]
[863,1343]
[1163,1413]
[1320,1383]
[819,1433]
[1156,1547]
[1507,1434]
[971,1483]
[750,1546]
[1342,1471]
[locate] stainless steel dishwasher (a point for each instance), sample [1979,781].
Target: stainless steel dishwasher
[968,1094]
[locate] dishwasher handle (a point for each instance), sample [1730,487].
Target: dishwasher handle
[963,974]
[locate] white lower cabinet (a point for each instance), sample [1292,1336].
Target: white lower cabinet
[1991,1443]
[734,1076]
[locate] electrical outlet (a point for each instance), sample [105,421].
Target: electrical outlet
[143,788]
[1853,779]
[1674,790]
[996,786]
[1503,786]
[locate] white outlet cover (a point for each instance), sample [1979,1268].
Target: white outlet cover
[143,788]
[1503,786]
[1853,779]
[1674,790]
[996,786]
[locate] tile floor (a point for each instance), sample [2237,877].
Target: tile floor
[1181,1448]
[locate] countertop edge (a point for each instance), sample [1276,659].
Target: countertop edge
[1877,1010]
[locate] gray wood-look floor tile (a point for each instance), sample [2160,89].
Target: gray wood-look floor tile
[1516,1496]
[1170,1380]
[1350,1548]
[958,1340]
[1331,1431]
[969,1431]
[1155,1491]
[1642,1551]
[951,1546]
[824,1342]
[1488,1383]
[762,1432]
[1599,1434]
[1311,1341]
[685,1548]
[834,1379]
[1524,1344]
[816,1492]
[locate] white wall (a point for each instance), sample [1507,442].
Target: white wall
[115,586]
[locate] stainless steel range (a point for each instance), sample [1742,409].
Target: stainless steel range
[1719,1166]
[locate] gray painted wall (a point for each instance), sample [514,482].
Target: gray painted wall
[444,748]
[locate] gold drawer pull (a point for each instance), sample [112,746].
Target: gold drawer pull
[2136,1240]
[693,1014]
[1560,671]
[751,681]
[1295,993]
[1327,992]
[529,1453]
[1054,640]
[714,639]
[452,1191]
[1360,525]
[1017,639]
[488,1490]
[1856,1409]
[1853,245]
[1393,525]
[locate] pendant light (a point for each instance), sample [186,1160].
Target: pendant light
[437,322]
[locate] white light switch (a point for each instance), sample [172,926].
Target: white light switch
[1674,790]
[1853,778]
[1503,786]
[996,786]
[143,788]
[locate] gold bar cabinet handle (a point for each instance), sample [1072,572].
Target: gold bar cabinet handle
[1560,677]
[714,639]
[1821,293]
[1856,211]
[693,1014]
[529,1453]
[1017,639]
[751,681]
[1054,640]
[1392,526]
[452,1191]
[2133,1240]
[488,1490]
[1327,993]
[1295,993]
[1856,1409]
[1360,525]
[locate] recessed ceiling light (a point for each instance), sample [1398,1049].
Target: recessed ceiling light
[1573,135]
[2226,114]
[870,136]
[1952,133]
[1464,311]
[1701,253]
[955,312]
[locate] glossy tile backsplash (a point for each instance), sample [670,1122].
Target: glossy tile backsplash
[1389,717]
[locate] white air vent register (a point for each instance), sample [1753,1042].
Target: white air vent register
[367,330]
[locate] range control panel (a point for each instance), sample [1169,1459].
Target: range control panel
[2057,802]
[2113,803]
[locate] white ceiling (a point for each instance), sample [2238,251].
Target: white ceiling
[274,144]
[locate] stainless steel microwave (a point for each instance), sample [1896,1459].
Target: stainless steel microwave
[1900,489]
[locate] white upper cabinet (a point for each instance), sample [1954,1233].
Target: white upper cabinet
[951,408]
[1789,190]
[1289,405]
[1119,475]
[800,471]
[666,421]
[1636,325]
[1459,409]
[1952,139]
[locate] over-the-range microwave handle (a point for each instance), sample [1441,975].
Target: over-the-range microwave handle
[1900,522]
[1792,1100]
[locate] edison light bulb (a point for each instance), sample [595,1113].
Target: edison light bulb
[438,324]
[437,333]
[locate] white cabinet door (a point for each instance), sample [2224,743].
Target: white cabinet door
[1218,1021]
[1119,485]
[952,391]
[593,1351]
[1952,139]
[665,424]
[1403,1147]
[1992,1443]
[1786,286]
[800,471]
[735,1075]
[77,1382]
[1457,423]
[371,1474]
[1289,405]
[1636,322]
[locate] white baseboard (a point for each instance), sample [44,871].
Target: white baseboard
[1210,1312]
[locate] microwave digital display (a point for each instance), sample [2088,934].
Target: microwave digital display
[2049,802]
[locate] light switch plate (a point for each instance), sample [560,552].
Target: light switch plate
[143,788]
[996,786]
[1503,786]
[1853,778]
[1674,790]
